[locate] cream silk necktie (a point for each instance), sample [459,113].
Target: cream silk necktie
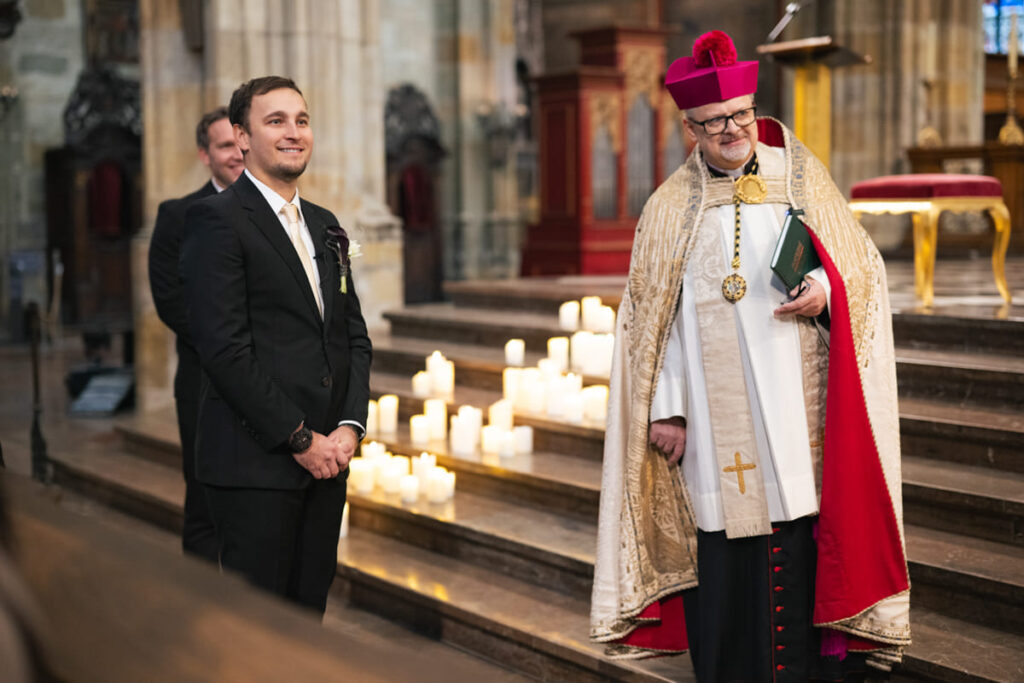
[291,212]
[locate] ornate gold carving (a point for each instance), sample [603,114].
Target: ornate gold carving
[606,112]
[642,66]
[751,189]
[733,289]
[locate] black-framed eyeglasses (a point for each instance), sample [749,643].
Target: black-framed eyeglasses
[718,124]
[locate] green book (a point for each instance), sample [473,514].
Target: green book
[794,253]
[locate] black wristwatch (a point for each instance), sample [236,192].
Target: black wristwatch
[300,441]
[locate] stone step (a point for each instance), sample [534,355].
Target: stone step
[954,333]
[951,326]
[550,481]
[963,434]
[540,632]
[536,546]
[949,650]
[578,440]
[961,378]
[479,326]
[478,367]
[535,294]
[152,436]
[951,569]
[967,578]
[972,501]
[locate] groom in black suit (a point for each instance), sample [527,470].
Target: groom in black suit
[217,149]
[286,358]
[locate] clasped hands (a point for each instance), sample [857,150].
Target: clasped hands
[329,455]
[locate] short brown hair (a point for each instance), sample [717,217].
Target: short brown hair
[241,99]
[203,127]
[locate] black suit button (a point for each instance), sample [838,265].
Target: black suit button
[245,423]
[325,381]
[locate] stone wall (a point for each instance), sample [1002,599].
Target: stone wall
[42,61]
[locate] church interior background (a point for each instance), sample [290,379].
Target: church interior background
[472,147]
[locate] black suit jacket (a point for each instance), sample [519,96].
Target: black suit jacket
[165,283]
[269,360]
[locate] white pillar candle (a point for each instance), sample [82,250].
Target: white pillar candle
[604,320]
[463,435]
[579,349]
[572,408]
[401,464]
[421,385]
[549,368]
[573,382]
[343,533]
[437,485]
[510,383]
[604,350]
[507,444]
[491,438]
[371,419]
[436,410]
[449,485]
[569,316]
[421,467]
[434,362]
[515,352]
[387,414]
[556,388]
[380,464]
[499,414]
[409,488]
[391,480]
[523,439]
[530,392]
[473,418]
[558,351]
[368,448]
[588,307]
[360,475]
[443,380]
[595,403]
[419,430]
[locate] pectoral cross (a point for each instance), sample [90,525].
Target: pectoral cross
[739,468]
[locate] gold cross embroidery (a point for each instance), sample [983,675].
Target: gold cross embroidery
[738,468]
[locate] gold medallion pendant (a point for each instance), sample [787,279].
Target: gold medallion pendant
[734,287]
[751,189]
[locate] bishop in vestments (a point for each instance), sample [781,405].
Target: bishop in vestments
[750,505]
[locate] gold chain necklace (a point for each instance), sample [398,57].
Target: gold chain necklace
[749,188]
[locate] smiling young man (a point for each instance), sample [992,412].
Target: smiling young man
[750,507]
[284,351]
[217,149]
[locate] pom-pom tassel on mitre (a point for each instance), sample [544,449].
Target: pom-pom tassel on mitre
[714,48]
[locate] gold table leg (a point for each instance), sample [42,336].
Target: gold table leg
[1001,217]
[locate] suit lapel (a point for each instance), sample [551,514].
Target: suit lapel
[326,262]
[268,224]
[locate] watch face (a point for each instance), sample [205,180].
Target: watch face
[301,440]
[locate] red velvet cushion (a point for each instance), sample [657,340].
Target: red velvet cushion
[927,186]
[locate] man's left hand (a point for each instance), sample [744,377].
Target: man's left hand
[346,437]
[809,303]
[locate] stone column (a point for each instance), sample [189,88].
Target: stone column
[331,49]
[878,109]
[171,107]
